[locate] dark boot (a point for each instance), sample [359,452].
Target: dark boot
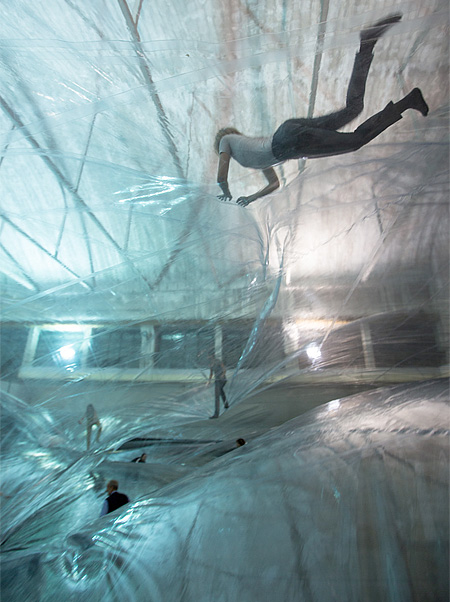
[370,35]
[413,100]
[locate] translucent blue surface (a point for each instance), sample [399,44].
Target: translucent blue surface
[350,499]
[121,272]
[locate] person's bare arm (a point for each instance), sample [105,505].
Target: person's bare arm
[273,184]
[222,177]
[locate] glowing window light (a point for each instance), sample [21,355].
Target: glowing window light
[64,327]
[313,351]
[67,353]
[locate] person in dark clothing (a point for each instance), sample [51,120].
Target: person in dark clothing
[115,499]
[217,368]
[141,458]
[315,137]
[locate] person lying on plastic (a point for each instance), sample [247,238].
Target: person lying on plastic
[318,136]
[141,458]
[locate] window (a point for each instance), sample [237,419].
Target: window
[235,336]
[396,340]
[72,347]
[403,341]
[59,348]
[267,348]
[13,339]
[184,346]
[115,348]
[343,349]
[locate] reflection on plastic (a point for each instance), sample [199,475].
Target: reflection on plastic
[377,468]
[121,273]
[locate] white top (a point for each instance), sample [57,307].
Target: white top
[249,152]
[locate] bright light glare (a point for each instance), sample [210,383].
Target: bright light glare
[334,405]
[67,353]
[65,327]
[313,351]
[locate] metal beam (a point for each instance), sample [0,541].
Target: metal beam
[83,223]
[63,181]
[43,249]
[24,274]
[145,70]
[318,56]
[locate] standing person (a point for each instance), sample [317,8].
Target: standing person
[91,420]
[217,368]
[315,137]
[115,499]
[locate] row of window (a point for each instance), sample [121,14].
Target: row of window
[394,340]
[175,346]
[390,340]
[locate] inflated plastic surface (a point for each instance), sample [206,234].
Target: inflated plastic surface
[122,272]
[349,502]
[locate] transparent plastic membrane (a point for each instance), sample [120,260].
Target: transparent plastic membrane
[123,277]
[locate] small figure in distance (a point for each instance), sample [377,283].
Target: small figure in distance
[217,368]
[317,136]
[91,420]
[240,442]
[141,458]
[115,499]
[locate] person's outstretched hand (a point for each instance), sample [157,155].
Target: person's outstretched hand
[224,197]
[243,201]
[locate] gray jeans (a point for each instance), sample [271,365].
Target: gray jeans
[218,393]
[317,136]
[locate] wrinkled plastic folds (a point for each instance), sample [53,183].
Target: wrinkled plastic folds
[122,276]
[352,499]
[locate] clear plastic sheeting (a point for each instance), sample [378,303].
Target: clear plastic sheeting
[124,279]
[350,499]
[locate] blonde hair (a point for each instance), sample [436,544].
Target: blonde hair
[221,133]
